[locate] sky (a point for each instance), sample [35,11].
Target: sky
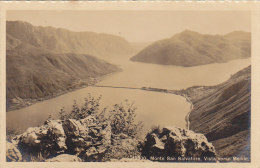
[139,26]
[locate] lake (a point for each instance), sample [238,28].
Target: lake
[153,108]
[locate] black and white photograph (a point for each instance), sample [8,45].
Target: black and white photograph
[128,86]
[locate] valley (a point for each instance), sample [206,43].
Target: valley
[190,81]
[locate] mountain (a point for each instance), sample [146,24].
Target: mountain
[45,62]
[222,114]
[190,48]
[60,40]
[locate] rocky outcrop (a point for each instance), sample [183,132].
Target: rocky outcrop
[12,153]
[122,147]
[84,138]
[64,158]
[48,139]
[176,144]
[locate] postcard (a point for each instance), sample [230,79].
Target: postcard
[133,84]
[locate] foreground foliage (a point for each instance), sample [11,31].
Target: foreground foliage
[87,131]
[122,117]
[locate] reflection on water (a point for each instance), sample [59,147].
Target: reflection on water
[153,108]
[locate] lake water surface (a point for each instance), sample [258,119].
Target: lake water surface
[153,108]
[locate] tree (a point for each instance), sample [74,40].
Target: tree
[63,115]
[123,119]
[90,107]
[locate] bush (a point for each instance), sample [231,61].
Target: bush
[90,107]
[122,117]
[122,120]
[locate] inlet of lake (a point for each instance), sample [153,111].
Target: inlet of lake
[153,108]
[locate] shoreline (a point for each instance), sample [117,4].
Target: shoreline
[181,92]
[29,102]
[187,118]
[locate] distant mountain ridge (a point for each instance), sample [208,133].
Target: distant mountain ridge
[190,48]
[60,40]
[45,62]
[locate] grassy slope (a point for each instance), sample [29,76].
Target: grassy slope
[189,48]
[222,113]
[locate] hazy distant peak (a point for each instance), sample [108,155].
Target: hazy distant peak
[188,32]
[59,29]
[236,32]
[18,22]
[60,40]
[190,48]
[238,35]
